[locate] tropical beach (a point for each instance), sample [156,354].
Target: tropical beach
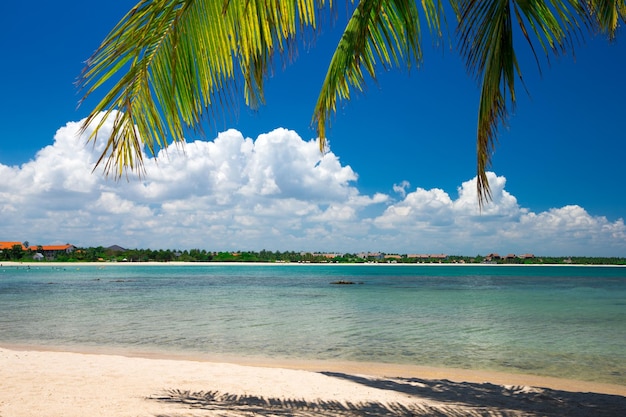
[181,340]
[124,129]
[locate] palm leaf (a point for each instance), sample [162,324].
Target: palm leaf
[607,14]
[173,61]
[486,34]
[385,32]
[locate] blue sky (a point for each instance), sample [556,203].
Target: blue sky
[402,155]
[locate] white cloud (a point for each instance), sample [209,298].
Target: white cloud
[431,219]
[275,192]
[401,188]
[502,204]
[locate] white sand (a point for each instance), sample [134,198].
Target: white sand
[45,383]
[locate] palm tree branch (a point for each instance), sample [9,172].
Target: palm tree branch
[179,60]
[383,31]
[607,14]
[486,37]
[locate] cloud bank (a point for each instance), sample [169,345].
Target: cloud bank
[276,192]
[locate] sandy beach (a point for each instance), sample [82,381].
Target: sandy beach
[54,383]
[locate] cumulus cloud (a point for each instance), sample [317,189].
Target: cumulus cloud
[432,219]
[273,192]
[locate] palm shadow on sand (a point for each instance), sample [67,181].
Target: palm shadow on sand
[447,398]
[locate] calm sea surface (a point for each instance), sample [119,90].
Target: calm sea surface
[560,321]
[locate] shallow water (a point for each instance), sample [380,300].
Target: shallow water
[567,322]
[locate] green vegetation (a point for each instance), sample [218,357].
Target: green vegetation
[101,254]
[170,64]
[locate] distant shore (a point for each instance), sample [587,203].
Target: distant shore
[35,381]
[210,263]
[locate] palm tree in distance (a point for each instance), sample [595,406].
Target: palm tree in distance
[173,63]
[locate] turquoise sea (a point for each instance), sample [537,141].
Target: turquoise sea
[567,322]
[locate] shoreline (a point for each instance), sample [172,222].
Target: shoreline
[56,383]
[13,264]
[376,369]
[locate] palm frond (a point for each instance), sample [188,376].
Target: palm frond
[486,36]
[172,62]
[607,14]
[385,32]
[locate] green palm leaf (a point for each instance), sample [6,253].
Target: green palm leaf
[487,41]
[607,14]
[182,59]
[174,62]
[380,31]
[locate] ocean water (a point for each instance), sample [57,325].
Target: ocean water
[567,322]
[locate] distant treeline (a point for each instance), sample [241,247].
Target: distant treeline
[102,254]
